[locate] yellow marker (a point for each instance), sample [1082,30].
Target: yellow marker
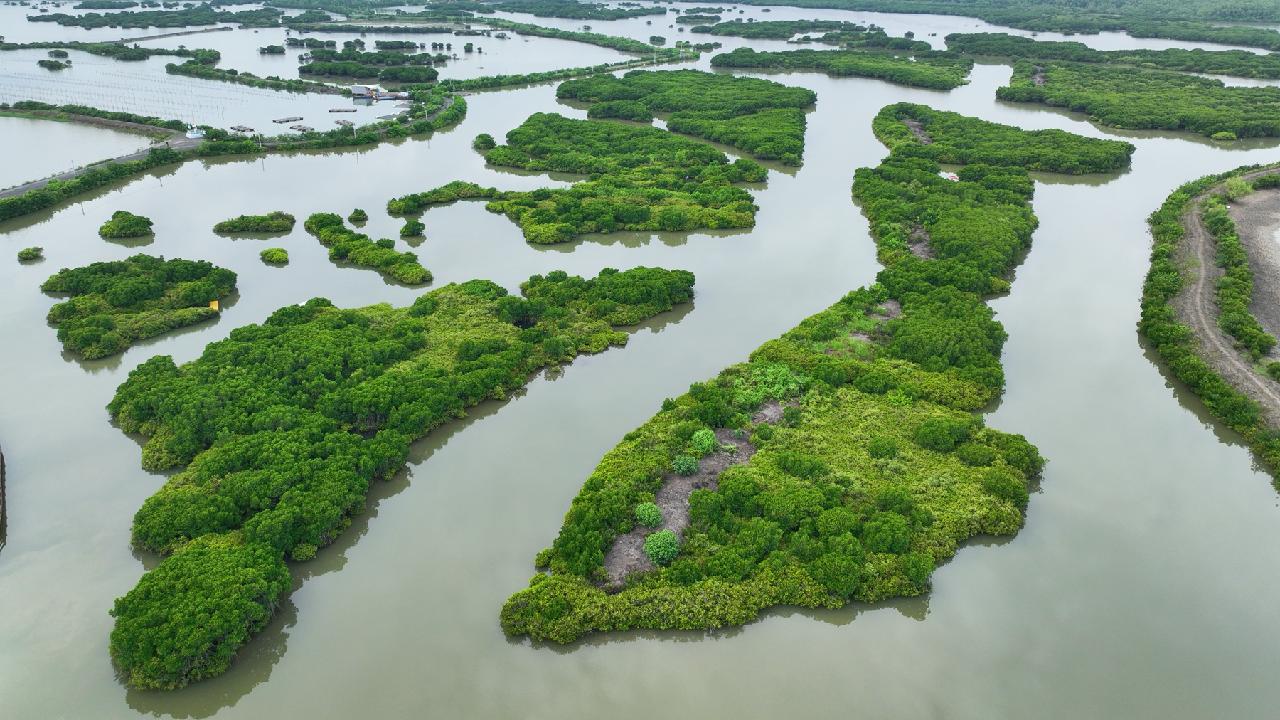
[213,304]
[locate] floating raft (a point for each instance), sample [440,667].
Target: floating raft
[301,128]
[345,123]
[242,128]
[342,110]
[282,121]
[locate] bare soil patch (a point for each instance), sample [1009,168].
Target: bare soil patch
[1197,307]
[1257,218]
[627,554]
[1038,76]
[918,130]
[918,243]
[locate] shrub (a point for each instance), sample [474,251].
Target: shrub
[1224,136]
[484,142]
[662,547]
[124,224]
[887,532]
[273,222]
[942,434]
[685,465]
[649,514]
[1273,369]
[358,216]
[275,256]
[1005,484]
[882,448]
[30,254]
[412,228]
[703,442]
[1236,188]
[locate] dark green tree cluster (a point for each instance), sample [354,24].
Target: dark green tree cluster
[86,111]
[432,109]
[205,14]
[839,32]
[53,64]
[1126,97]
[115,304]
[310,43]
[276,221]
[954,140]
[695,19]
[348,246]
[1238,63]
[1234,291]
[115,51]
[1193,20]
[938,71]
[494,82]
[30,254]
[124,224]
[575,10]
[870,466]
[762,117]
[620,44]
[639,178]
[283,426]
[1176,343]
[105,4]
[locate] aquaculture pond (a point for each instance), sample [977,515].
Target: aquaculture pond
[1140,586]
[37,148]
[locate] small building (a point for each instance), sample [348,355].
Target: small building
[361,91]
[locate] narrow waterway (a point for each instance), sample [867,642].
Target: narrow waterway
[1140,588]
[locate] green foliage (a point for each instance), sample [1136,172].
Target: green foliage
[759,116]
[358,249]
[684,465]
[229,588]
[1240,63]
[412,228]
[56,191]
[484,142]
[703,442]
[662,547]
[649,514]
[273,222]
[1134,98]
[203,14]
[575,10]
[53,64]
[124,224]
[358,216]
[1175,343]
[283,426]
[835,32]
[115,304]
[939,71]
[878,468]
[1235,287]
[275,256]
[641,178]
[30,254]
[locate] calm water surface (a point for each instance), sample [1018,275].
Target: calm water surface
[1140,588]
[37,148]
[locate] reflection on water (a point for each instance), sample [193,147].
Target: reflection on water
[1127,594]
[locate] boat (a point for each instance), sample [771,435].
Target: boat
[242,128]
[301,128]
[345,123]
[282,121]
[194,133]
[347,109]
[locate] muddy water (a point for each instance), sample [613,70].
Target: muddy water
[1140,588]
[37,148]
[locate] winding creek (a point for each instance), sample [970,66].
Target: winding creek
[1142,586]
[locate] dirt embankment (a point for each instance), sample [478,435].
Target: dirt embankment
[1197,307]
[627,554]
[1257,218]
